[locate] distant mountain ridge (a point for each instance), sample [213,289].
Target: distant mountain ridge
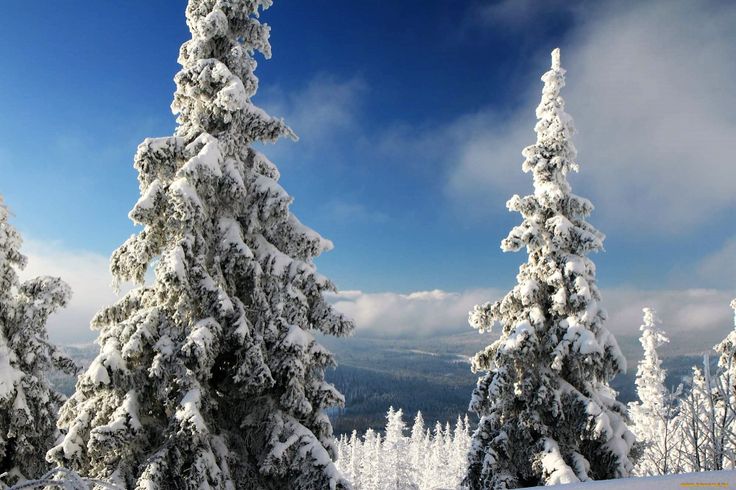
[432,375]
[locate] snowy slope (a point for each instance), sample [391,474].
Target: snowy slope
[708,479]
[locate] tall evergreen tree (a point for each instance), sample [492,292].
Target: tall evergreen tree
[438,460]
[650,375]
[418,447]
[397,470]
[693,416]
[372,462]
[708,420]
[547,414]
[211,377]
[28,404]
[459,449]
[354,462]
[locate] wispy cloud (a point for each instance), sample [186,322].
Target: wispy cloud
[342,211]
[719,268]
[319,112]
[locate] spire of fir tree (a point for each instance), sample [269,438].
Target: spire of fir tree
[211,377]
[652,417]
[649,374]
[546,412]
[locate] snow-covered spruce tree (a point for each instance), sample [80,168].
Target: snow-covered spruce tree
[28,404]
[437,465]
[397,470]
[707,421]
[210,377]
[354,458]
[418,446]
[371,469]
[693,425]
[459,450]
[727,350]
[654,418]
[650,375]
[547,414]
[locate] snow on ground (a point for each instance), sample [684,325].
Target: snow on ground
[707,479]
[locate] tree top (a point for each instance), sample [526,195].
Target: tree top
[556,59]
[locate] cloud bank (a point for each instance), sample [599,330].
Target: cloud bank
[417,314]
[695,318]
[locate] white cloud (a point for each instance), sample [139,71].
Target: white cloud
[649,88]
[88,275]
[486,167]
[696,319]
[317,112]
[719,268]
[342,211]
[417,314]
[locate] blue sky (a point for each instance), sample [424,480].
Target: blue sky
[412,118]
[95,78]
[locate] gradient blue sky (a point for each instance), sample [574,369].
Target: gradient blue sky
[412,115]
